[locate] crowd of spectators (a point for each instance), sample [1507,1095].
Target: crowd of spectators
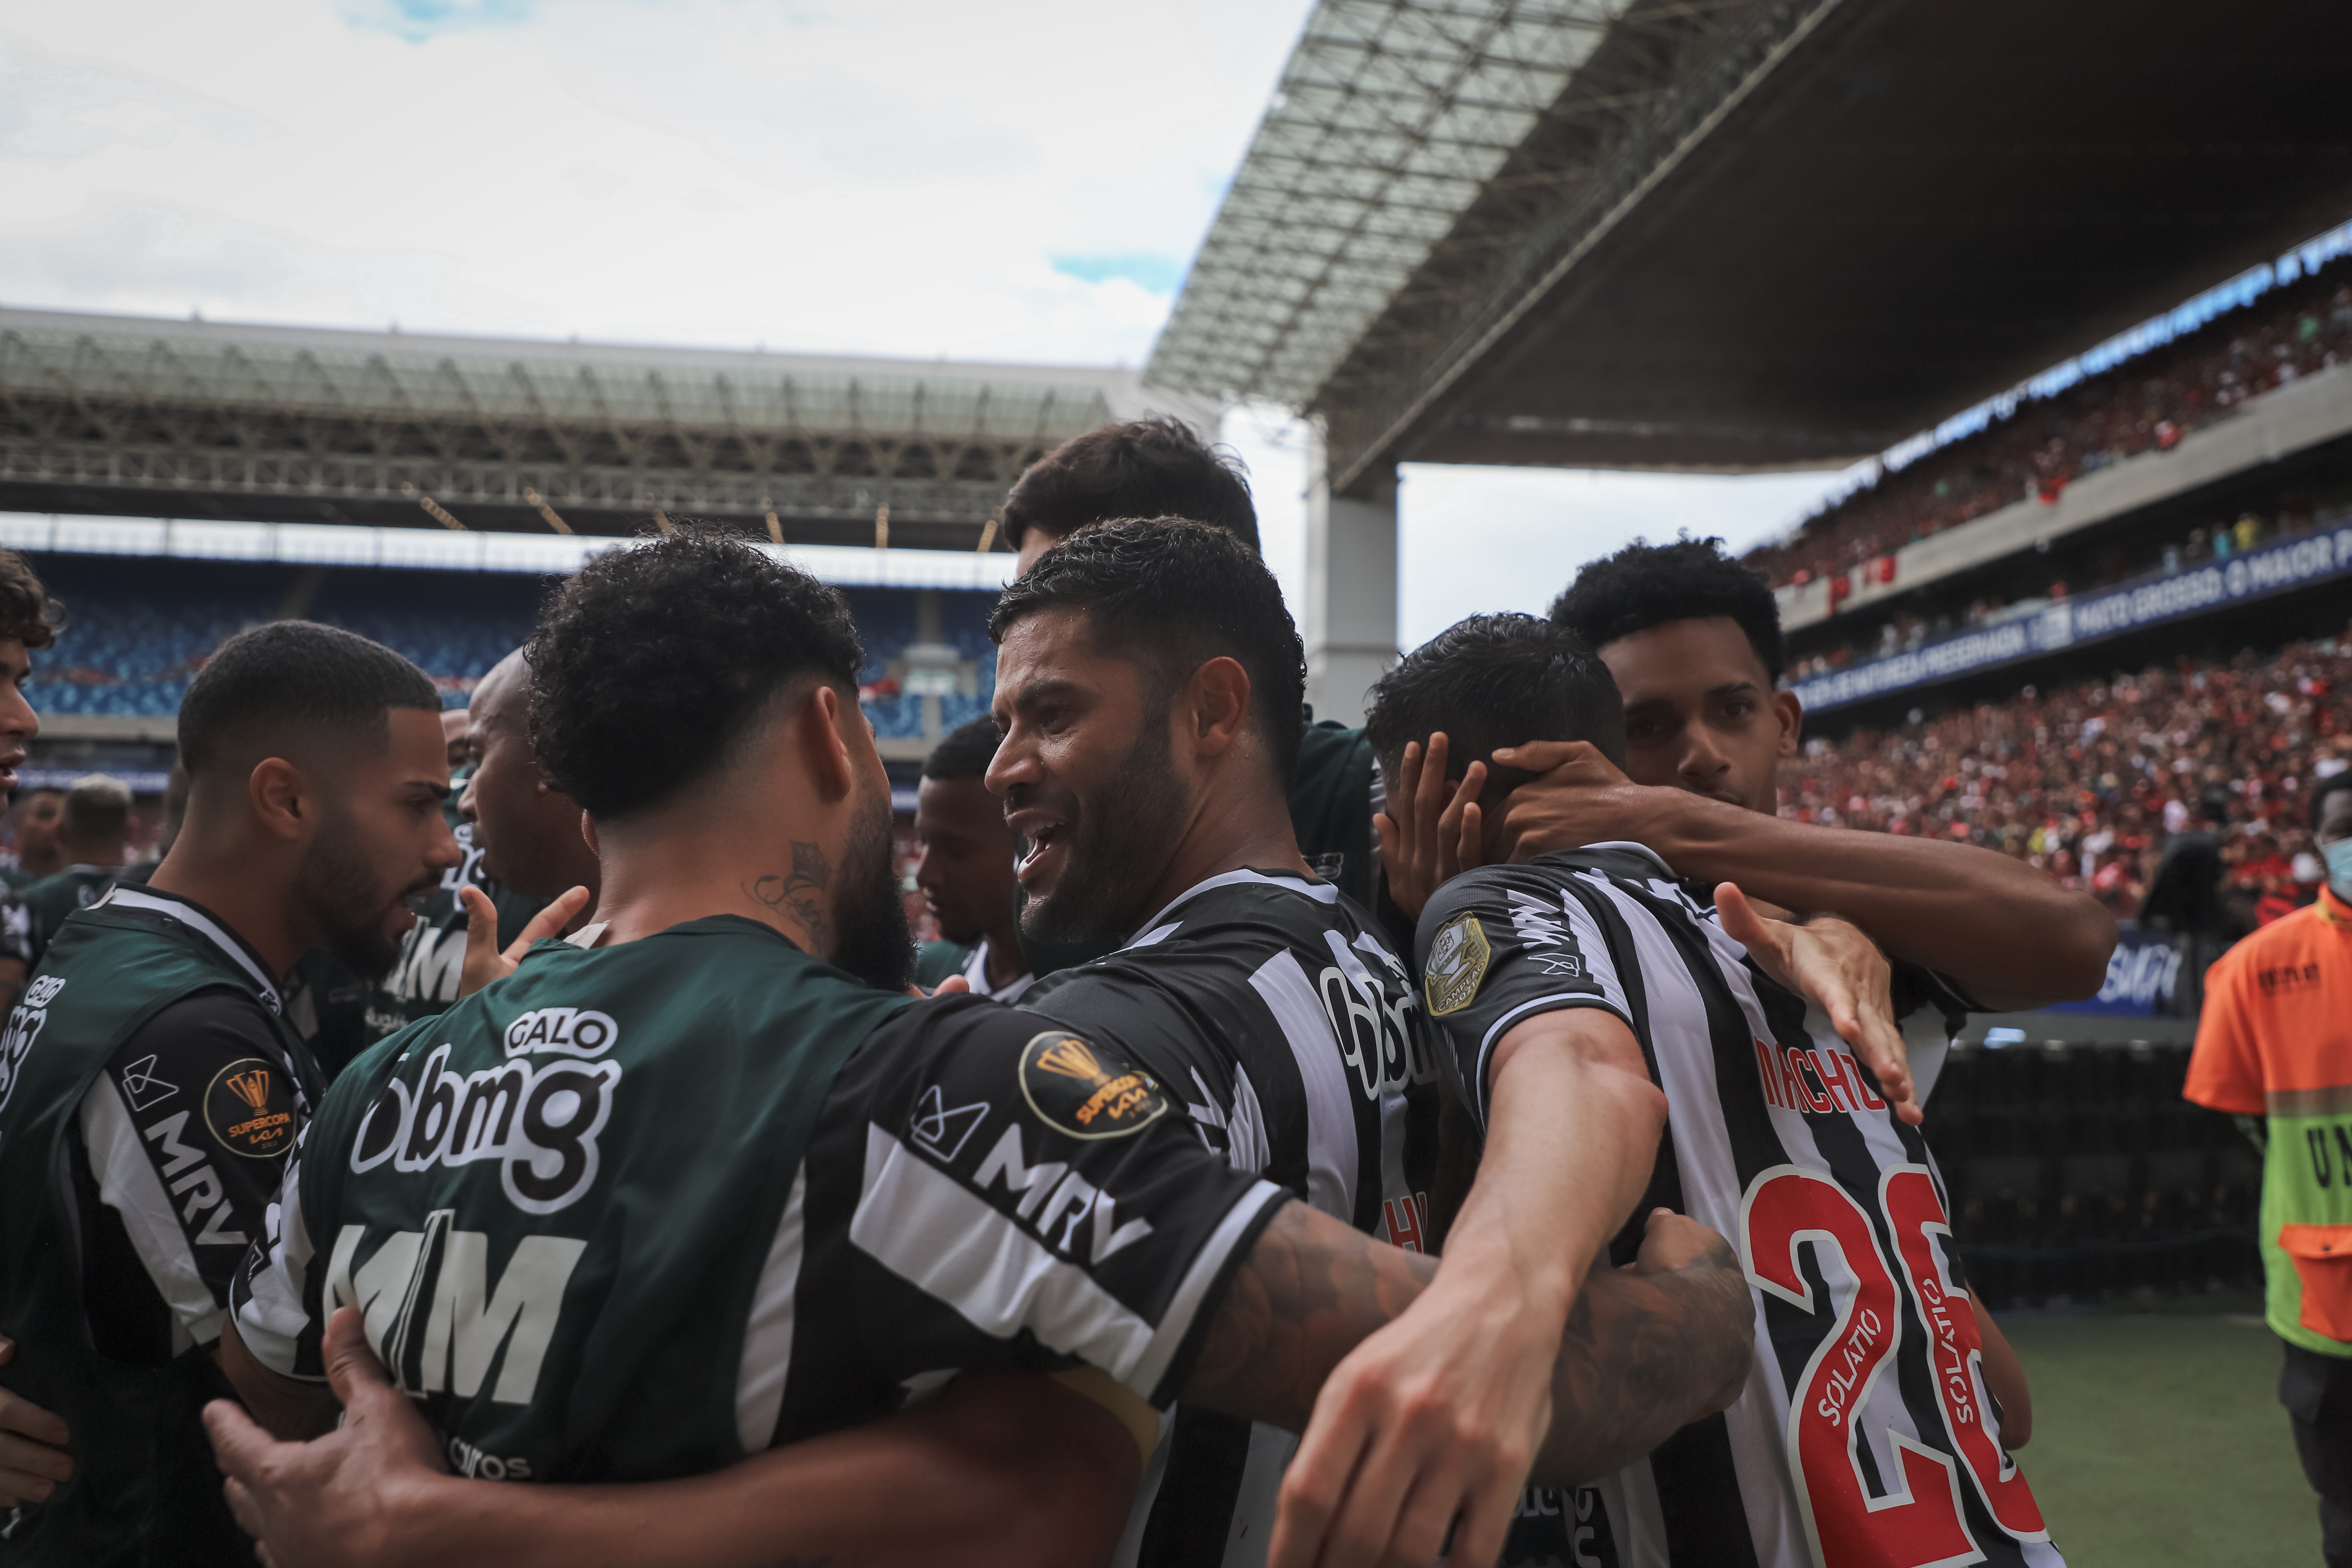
[2089,781]
[2146,405]
[2108,566]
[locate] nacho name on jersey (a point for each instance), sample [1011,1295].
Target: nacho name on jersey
[538,1113]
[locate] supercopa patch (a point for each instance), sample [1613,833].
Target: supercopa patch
[1457,964]
[249,1107]
[1085,1091]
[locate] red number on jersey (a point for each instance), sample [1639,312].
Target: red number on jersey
[1907,1193]
[1788,1207]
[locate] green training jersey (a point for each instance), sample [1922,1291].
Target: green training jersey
[638,1211]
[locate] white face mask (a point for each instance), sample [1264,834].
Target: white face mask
[2339,867]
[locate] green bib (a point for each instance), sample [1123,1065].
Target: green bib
[554,1201]
[144,1488]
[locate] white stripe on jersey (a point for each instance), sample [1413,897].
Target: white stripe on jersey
[128,1184]
[271,1319]
[935,1233]
[1321,892]
[1331,1153]
[1685,1047]
[196,921]
[1594,949]
[768,1330]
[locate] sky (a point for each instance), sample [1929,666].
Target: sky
[1026,180]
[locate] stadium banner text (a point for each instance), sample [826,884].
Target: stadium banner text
[2141,974]
[2067,623]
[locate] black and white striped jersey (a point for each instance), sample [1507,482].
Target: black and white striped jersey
[1270,1005]
[1868,1438]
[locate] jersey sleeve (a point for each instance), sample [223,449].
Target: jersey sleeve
[187,1130]
[1506,943]
[2225,1066]
[1040,1187]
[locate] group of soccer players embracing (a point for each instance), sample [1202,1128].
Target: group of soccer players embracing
[696,1216]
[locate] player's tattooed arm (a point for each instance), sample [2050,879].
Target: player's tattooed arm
[797,894]
[1648,1349]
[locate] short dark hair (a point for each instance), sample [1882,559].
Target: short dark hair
[966,752]
[1492,681]
[1173,593]
[2321,789]
[27,614]
[1644,586]
[97,806]
[649,666]
[1137,469]
[290,683]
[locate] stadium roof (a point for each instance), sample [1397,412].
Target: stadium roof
[113,414]
[1738,233]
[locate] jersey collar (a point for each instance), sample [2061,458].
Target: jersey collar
[197,918]
[1291,881]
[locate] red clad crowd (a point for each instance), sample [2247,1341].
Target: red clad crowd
[2145,406]
[2089,782]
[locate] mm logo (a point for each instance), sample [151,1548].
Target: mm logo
[1082,1090]
[253,1088]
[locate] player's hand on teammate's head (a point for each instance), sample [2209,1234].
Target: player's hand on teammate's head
[33,1457]
[483,961]
[342,1500]
[1432,832]
[1578,797]
[1833,964]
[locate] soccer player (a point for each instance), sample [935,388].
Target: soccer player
[151,1089]
[93,835]
[911,1187]
[1867,1435]
[966,870]
[33,815]
[429,972]
[2274,1042]
[1158,468]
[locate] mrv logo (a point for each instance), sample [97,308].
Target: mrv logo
[434,1317]
[538,1118]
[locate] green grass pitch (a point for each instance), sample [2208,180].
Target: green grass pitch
[2158,1439]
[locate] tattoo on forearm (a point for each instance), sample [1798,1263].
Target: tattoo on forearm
[1311,1290]
[795,895]
[1641,1355]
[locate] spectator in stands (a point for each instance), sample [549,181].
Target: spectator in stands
[93,835]
[2088,782]
[33,819]
[2185,896]
[966,870]
[2145,406]
[2275,1042]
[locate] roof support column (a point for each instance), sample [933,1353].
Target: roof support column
[1350,618]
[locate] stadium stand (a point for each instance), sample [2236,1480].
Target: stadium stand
[2149,403]
[138,630]
[2086,781]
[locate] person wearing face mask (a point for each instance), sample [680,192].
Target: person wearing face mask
[2274,1042]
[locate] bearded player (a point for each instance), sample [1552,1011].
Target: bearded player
[964,1206]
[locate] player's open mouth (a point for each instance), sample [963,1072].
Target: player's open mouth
[9,763]
[1044,837]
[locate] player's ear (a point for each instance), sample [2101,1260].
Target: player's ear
[1791,714]
[281,797]
[1218,699]
[822,719]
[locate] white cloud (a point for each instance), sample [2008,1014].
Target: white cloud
[928,178]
